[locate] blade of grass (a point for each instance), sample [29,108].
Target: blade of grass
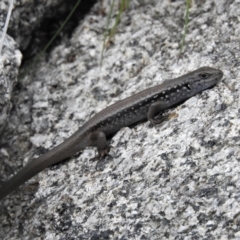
[107,30]
[55,35]
[6,24]
[109,33]
[188,3]
[123,5]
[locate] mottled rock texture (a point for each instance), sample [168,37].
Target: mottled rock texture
[177,180]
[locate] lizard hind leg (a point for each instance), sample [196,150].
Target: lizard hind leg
[98,139]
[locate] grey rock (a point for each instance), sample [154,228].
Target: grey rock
[10,60]
[178,180]
[26,17]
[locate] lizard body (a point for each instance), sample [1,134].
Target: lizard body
[148,104]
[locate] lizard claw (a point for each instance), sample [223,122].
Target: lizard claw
[101,154]
[158,120]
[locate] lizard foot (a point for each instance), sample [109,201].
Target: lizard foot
[158,120]
[101,154]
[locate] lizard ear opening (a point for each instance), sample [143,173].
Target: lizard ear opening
[189,87]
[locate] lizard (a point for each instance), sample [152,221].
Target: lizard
[148,104]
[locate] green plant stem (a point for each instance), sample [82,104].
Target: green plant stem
[188,2]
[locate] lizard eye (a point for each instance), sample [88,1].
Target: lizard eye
[203,75]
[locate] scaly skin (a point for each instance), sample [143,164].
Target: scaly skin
[141,106]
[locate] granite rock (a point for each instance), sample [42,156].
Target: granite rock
[178,180]
[10,60]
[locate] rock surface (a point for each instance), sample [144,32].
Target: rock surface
[10,60]
[178,180]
